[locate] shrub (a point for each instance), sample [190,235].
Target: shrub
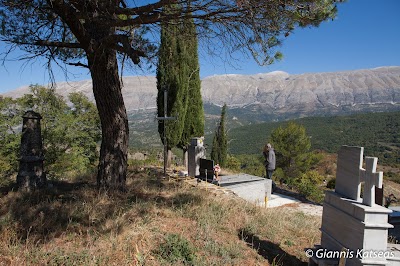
[176,249]
[251,164]
[331,183]
[313,176]
[310,190]
[278,175]
[233,163]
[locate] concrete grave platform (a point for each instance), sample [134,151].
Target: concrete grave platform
[254,189]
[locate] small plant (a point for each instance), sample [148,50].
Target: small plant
[176,249]
[310,190]
[331,183]
[289,243]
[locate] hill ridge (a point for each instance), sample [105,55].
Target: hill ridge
[271,96]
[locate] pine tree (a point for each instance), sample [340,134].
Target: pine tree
[171,75]
[194,121]
[293,145]
[96,34]
[219,151]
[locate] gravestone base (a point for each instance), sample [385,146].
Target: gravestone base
[395,260]
[196,151]
[251,188]
[349,224]
[30,175]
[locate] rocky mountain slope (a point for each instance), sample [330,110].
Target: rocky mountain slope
[271,96]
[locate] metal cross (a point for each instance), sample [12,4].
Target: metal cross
[371,179]
[165,118]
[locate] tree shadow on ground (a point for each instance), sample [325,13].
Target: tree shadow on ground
[5,189]
[46,212]
[269,250]
[69,207]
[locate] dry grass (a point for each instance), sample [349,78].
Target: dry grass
[156,222]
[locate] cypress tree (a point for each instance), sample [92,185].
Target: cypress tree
[219,151]
[194,120]
[171,73]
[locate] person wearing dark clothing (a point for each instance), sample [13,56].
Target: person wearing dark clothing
[270,161]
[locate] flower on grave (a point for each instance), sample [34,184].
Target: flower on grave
[217,168]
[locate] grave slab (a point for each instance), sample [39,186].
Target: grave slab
[254,189]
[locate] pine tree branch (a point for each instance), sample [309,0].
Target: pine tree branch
[79,64]
[46,43]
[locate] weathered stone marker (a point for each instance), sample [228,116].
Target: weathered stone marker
[31,174]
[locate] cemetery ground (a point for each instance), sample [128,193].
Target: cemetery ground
[156,222]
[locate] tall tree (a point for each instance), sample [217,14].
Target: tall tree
[194,120]
[219,150]
[292,145]
[172,76]
[91,33]
[10,139]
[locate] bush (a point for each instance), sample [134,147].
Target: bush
[278,175]
[395,177]
[331,183]
[177,250]
[310,190]
[233,163]
[313,176]
[251,164]
[308,185]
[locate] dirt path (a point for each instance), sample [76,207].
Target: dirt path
[307,208]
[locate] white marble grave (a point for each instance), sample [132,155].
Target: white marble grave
[351,222]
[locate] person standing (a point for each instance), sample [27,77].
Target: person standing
[270,161]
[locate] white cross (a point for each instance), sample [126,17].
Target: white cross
[371,179]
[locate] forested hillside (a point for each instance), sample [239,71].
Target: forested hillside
[379,133]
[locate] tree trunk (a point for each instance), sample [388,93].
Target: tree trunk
[114,121]
[169,158]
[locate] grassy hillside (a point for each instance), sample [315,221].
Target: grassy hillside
[156,222]
[379,133]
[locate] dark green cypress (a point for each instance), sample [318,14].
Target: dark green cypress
[171,73]
[219,151]
[194,120]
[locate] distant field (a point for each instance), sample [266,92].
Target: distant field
[379,133]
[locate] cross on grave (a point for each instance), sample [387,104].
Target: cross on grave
[165,118]
[371,179]
[349,163]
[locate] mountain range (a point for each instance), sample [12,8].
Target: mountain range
[253,99]
[269,96]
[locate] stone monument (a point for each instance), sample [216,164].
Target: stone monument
[31,174]
[354,226]
[195,152]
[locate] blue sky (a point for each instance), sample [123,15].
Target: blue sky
[365,34]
